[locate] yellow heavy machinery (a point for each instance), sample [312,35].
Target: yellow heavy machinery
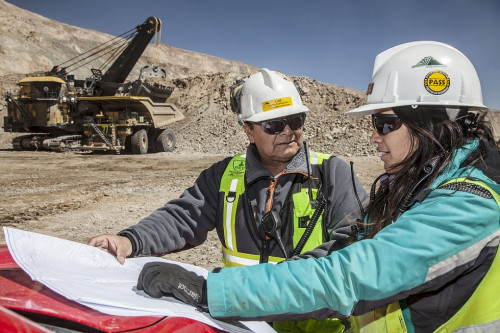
[102,112]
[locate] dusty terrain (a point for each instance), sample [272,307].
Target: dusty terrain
[76,196]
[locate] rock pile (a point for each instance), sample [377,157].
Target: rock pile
[210,125]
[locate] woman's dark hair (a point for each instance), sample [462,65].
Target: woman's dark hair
[433,138]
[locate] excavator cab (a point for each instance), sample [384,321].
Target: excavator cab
[36,105]
[43,88]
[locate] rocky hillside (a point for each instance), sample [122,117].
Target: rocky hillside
[32,43]
[211,126]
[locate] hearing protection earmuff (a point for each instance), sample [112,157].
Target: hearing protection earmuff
[235,97]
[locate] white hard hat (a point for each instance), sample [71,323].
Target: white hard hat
[422,73]
[266,95]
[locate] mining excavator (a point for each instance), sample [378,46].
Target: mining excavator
[102,112]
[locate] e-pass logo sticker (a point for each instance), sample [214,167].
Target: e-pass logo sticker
[276,103]
[437,82]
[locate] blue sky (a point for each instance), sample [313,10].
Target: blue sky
[332,41]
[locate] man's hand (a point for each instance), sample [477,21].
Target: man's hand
[119,246]
[159,278]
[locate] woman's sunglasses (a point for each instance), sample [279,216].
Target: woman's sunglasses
[386,123]
[277,126]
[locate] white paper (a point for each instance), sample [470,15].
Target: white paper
[95,278]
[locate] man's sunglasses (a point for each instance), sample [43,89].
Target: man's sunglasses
[386,123]
[277,126]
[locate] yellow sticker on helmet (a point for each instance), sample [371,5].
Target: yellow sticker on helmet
[277,103]
[437,82]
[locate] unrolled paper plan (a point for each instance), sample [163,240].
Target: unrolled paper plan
[95,278]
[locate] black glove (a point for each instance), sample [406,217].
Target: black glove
[160,278]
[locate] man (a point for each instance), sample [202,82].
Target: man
[274,202]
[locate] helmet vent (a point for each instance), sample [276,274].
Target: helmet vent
[465,89]
[391,91]
[269,80]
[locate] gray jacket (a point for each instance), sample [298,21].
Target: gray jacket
[184,222]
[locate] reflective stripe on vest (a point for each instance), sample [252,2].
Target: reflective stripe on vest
[228,232]
[480,313]
[233,186]
[303,211]
[234,259]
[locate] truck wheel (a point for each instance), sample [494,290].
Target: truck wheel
[139,142]
[165,141]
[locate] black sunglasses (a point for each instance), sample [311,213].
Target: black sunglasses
[386,123]
[277,126]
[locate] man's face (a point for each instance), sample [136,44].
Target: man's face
[275,148]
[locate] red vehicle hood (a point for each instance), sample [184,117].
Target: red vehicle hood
[33,300]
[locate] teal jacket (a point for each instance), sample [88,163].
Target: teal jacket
[448,239]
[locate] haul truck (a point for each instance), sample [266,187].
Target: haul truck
[102,112]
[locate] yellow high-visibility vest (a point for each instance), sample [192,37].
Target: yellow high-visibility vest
[233,185]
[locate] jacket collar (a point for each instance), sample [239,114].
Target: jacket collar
[490,163]
[255,170]
[454,168]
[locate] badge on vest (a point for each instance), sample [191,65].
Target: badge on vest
[303,221]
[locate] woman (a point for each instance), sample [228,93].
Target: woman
[426,259]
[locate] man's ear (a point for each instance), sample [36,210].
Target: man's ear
[249,132]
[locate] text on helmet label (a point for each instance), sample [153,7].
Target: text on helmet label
[437,82]
[276,103]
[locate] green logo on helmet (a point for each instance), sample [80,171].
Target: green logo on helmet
[428,62]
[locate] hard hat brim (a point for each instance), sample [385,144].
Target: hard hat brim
[276,114]
[368,109]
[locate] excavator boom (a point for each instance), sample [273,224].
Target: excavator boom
[124,64]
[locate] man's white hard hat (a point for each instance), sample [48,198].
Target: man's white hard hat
[266,95]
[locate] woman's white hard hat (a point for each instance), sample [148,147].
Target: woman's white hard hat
[422,73]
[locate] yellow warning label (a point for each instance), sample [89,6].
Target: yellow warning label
[437,82]
[277,103]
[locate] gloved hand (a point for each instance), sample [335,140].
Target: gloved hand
[160,278]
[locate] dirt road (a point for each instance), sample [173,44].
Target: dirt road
[77,196]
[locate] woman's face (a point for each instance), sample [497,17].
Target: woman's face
[395,145]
